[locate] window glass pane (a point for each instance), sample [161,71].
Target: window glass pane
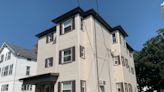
[68,23]
[67,86]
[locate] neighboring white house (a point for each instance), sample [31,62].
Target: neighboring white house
[15,63]
[83,53]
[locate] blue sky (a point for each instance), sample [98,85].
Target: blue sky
[20,20]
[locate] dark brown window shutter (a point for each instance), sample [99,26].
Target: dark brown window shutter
[119,60]
[73,86]
[45,63]
[73,23]
[61,28]
[46,38]
[81,83]
[73,54]
[60,57]
[59,86]
[52,36]
[81,48]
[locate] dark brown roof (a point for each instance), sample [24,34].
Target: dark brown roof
[68,14]
[53,29]
[121,30]
[129,47]
[84,14]
[42,78]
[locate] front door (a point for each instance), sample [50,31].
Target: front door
[48,88]
[45,88]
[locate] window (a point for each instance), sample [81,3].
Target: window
[102,88]
[132,70]
[123,62]
[81,23]
[6,71]
[4,87]
[82,52]
[119,87]
[49,37]
[116,60]
[83,86]
[67,86]
[9,55]
[11,69]
[130,89]
[2,57]
[126,87]
[49,62]
[120,39]
[67,25]
[28,70]
[114,38]
[126,63]
[67,55]
[26,87]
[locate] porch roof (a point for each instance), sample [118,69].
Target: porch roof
[40,79]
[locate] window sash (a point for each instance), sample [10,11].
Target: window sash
[68,55]
[67,86]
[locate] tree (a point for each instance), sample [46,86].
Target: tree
[150,63]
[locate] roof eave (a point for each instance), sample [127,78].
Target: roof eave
[121,30]
[68,14]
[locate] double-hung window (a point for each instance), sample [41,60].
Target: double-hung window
[67,25]
[49,62]
[11,69]
[116,60]
[119,87]
[9,55]
[28,70]
[123,62]
[83,86]
[66,86]
[67,55]
[2,57]
[114,38]
[82,52]
[50,37]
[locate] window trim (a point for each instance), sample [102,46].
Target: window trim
[118,62]
[61,55]
[82,52]
[48,64]
[50,37]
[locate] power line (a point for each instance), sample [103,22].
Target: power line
[97,6]
[78,2]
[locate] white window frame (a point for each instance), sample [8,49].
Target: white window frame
[28,70]
[117,60]
[50,37]
[69,55]
[114,39]
[62,85]
[82,51]
[67,25]
[119,86]
[48,62]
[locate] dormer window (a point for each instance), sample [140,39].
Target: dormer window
[67,25]
[50,38]
[114,38]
